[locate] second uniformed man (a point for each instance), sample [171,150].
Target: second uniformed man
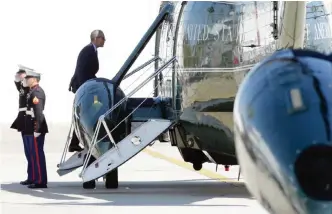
[36,128]
[19,122]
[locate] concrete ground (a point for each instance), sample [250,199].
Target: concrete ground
[156,180]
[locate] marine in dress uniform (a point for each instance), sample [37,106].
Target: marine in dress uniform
[36,129]
[19,122]
[87,67]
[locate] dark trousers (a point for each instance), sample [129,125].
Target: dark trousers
[74,141]
[29,157]
[38,158]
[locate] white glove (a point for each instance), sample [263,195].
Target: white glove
[35,134]
[17,78]
[24,83]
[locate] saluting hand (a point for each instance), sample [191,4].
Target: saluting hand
[17,78]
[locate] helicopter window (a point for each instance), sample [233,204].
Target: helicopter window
[213,32]
[189,7]
[318,27]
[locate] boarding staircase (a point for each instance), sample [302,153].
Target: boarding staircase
[149,111]
[154,125]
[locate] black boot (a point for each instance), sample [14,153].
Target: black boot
[26,182]
[74,144]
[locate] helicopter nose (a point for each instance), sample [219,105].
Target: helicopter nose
[313,172]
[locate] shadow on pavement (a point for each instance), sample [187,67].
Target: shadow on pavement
[140,193]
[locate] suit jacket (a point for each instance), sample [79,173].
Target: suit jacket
[87,67]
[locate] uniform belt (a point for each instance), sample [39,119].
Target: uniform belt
[22,109]
[30,112]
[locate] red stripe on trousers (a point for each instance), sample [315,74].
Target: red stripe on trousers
[32,164]
[37,157]
[33,169]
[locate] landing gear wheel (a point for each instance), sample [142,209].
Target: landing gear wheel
[197,166]
[111,181]
[89,184]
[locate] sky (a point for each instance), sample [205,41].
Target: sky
[48,35]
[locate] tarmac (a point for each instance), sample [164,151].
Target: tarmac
[156,180]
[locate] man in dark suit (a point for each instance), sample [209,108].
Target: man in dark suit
[87,67]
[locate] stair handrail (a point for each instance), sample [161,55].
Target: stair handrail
[139,87]
[142,66]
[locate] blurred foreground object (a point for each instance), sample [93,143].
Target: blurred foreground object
[283,132]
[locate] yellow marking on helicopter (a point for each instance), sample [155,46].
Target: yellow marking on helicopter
[96,104]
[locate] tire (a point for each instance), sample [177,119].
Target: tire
[197,166]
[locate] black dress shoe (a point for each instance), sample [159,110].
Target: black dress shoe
[26,182]
[89,184]
[75,149]
[37,186]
